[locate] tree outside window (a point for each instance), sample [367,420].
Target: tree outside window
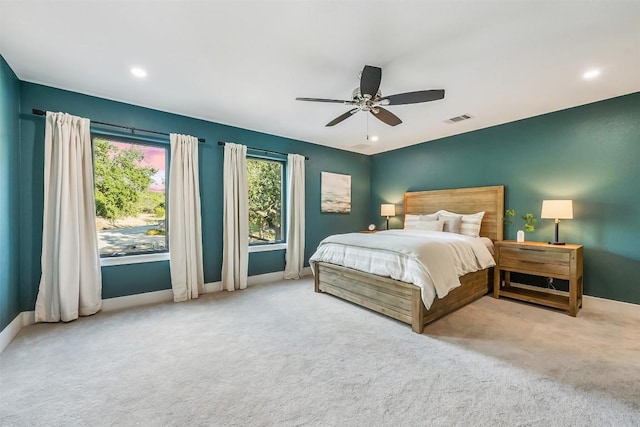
[130,197]
[265,179]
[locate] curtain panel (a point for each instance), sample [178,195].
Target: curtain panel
[71,280]
[235,220]
[294,257]
[185,222]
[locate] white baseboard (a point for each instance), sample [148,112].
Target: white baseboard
[10,331]
[257,279]
[128,301]
[212,287]
[620,307]
[166,295]
[27,318]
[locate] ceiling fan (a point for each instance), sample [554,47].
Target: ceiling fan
[368,97]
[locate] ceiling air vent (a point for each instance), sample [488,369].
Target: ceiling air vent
[458,118]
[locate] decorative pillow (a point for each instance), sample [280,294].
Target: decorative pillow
[452,222]
[411,222]
[431,225]
[471,223]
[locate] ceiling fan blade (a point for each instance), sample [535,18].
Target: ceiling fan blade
[387,117]
[342,117]
[334,101]
[370,81]
[415,97]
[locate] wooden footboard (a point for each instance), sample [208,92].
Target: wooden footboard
[402,300]
[396,299]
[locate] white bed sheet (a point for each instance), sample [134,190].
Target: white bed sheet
[432,260]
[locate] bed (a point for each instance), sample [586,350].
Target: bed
[402,300]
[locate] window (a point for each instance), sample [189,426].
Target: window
[130,196]
[265,178]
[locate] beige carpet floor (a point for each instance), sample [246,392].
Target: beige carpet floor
[280,354]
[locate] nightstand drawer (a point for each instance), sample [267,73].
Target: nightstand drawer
[540,268]
[534,259]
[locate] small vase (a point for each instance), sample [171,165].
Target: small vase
[520,236]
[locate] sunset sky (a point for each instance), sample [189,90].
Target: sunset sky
[154,157]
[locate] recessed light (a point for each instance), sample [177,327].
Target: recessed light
[374,138]
[139,72]
[591,74]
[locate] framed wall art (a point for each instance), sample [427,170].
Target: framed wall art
[335,192]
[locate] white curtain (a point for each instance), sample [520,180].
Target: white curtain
[294,258]
[235,219]
[71,281]
[185,224]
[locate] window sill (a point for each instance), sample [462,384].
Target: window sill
[134,259]
[267,248]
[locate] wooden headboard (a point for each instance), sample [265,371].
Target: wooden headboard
[463,201]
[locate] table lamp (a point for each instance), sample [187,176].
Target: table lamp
[557,210]
[387,210]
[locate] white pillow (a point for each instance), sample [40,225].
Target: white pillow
[411,222]
[452,222]
[431,225]
[429,217]
[471,223]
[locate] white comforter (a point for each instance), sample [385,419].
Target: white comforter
[432,260]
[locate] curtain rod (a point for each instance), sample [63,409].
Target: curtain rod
[133,130]
[264,151]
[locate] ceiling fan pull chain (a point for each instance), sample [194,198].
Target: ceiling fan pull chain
[367,127]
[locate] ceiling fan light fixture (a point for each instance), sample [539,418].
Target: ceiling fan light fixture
[368,98]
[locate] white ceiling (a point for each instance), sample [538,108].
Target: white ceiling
[243,63]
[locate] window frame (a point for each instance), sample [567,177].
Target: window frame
[146,256]
[282,243]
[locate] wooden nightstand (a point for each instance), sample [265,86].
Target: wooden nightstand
[540,259]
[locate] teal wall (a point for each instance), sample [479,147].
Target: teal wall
[590,154]
[138,278]
[9,194]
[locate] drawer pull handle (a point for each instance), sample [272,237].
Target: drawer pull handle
[533,250]
[532,262]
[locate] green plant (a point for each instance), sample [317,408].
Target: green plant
[528,220]
[159,210]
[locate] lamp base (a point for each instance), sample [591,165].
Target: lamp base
[557,234]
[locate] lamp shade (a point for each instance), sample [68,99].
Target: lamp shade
[557,209]
[387,210]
